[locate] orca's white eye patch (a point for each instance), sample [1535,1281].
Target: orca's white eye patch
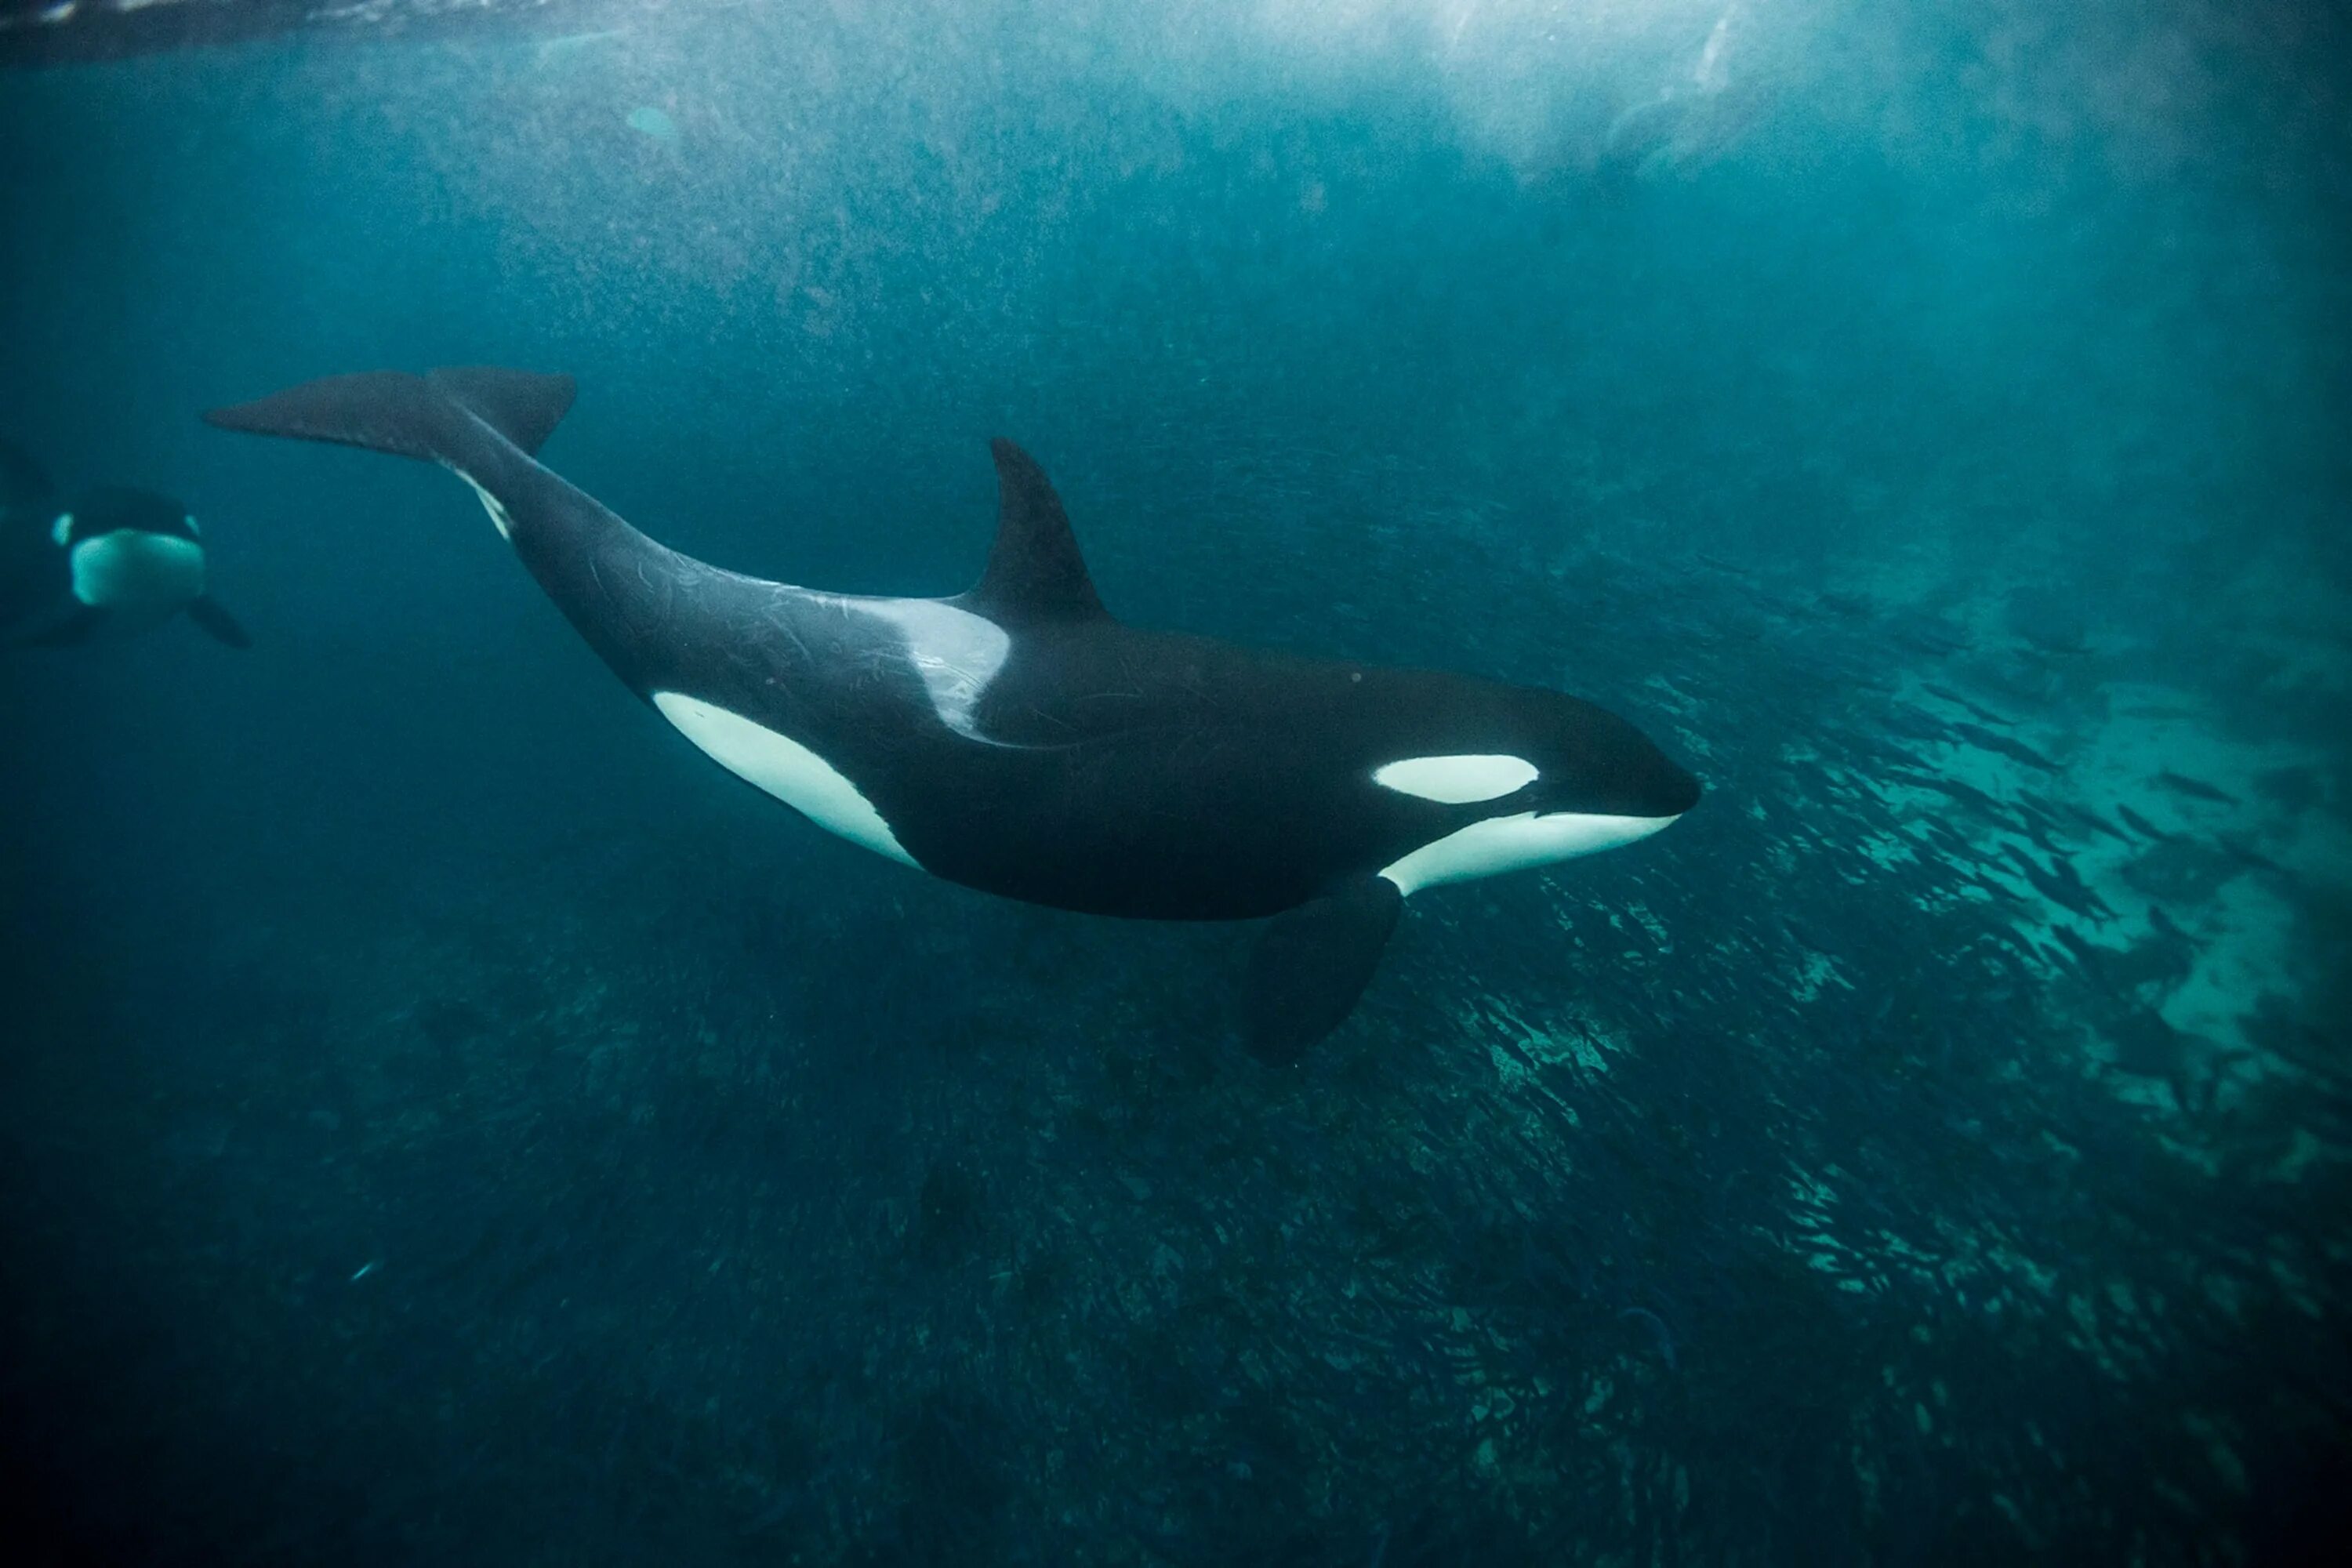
[1456,781]
[194,531]
[62,530]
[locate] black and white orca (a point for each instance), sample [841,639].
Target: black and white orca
[118,559]
[1017,739]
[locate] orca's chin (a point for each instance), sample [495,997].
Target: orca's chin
[1494,845]
[1612,833]
[1641,824]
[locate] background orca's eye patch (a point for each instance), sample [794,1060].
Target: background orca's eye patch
[62,530]
[1457,780]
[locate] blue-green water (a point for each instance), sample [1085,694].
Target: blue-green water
[443,1119]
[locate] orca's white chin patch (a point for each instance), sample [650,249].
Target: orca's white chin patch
[783,768]
[1503,844]
[1461,780]
[131,570]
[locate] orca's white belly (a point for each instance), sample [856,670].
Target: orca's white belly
[138,577]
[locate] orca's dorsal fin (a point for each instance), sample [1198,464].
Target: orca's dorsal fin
[1035,571]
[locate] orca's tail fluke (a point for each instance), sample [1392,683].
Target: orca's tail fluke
[441,416]
[485,425]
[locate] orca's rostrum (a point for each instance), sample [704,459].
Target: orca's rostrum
[1018,740]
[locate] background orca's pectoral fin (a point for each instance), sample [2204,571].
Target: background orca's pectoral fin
[1313,961]
[205,610]
[64,629]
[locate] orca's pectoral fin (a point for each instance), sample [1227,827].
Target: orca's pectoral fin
[205,610]
[1312,963]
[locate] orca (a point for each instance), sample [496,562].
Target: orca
[118,559]
[1017,739]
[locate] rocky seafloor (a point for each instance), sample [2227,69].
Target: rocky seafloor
[1933,1151]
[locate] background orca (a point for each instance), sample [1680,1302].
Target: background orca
[117,559]
[1018,740]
